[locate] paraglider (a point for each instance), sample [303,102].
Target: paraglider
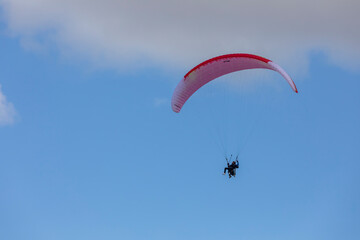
[231,168]
[214,68]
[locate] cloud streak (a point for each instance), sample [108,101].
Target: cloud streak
[185,32]
[7,111]
[159,102]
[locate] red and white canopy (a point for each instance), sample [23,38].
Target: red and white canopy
[217,67]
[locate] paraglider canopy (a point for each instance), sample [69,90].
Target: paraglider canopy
[217,67]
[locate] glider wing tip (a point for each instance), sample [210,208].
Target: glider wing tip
[175,110]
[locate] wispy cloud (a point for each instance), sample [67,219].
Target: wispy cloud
[7,110]
[188,31]
[158,102]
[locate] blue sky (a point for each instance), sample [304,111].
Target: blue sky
[95,152]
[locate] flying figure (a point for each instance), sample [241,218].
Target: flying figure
[213,69]
[231,168]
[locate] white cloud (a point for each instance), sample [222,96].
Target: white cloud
[7,110]
[184,32]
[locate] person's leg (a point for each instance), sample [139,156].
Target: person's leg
[225,169]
